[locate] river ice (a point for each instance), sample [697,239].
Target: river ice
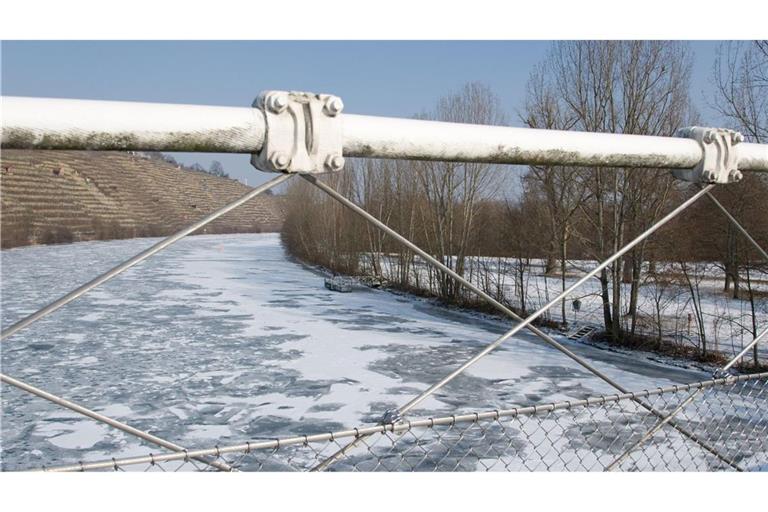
[223,338]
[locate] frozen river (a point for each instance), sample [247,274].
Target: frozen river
[223,338]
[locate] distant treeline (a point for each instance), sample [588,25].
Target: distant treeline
[462,212]
[215,169]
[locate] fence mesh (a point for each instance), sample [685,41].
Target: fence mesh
[727,417]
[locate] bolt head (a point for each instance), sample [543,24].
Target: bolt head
[735,176]
[334,162]
[280,161]
[333,106]
[277,102]
[736,137]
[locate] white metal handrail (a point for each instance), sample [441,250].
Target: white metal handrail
[48,123]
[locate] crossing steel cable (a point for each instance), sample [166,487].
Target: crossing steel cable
[271,445]
[105,419]
[170,240]
[762,252]
[666,419]
[103,278]
[744,351]
[738,226]
[119,269]
[524,323]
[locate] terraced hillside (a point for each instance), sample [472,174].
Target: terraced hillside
[64,196]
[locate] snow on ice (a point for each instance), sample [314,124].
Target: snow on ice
[224,338]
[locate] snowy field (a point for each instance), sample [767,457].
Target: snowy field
[223,339]
[727,321]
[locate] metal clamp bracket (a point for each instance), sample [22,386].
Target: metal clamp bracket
[721,157]
[391,416]
[304,133]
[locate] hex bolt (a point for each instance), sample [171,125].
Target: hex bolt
[736,137]
[334,162]
[735,176]
[333,106]
[277,103]
[280,161]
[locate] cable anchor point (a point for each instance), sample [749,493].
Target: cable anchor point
[303,133]
[720,155]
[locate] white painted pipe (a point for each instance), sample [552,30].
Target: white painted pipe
[49,123]
[45,123]
[753,157]
[385,137]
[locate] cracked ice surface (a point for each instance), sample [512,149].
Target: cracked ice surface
[223,338]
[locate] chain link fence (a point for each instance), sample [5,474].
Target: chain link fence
[724,426]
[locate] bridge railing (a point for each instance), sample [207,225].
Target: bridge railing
[307,135]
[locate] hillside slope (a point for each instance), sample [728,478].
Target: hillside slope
[64,196]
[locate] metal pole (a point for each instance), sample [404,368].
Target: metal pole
[45,123]
[103,278]
[412,139]
[360,211]
[49,123]
[105,419]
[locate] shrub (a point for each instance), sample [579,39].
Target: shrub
[57,235]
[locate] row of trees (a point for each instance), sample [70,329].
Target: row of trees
[215,169]
[482,223]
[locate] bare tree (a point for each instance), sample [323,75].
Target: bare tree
[693,275]
[662,293]
[741,80]
[452,191]
[638,87]
[522,241]
[217,169]
[561,189]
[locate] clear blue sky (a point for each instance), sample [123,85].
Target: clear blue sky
[393,78]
